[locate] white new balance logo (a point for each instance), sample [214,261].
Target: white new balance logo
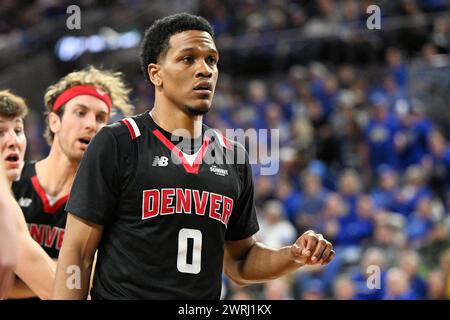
[160,161]
[25,202]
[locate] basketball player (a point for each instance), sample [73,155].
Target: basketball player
[78,105]
[165,222]
[34,266]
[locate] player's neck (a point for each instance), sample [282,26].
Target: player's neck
[56,173]
[171,119]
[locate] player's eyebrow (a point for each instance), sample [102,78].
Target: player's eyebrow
[83,106]
[16,120]
[211,50]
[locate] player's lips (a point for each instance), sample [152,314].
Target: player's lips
[12,160]
[203,87]
[85,140]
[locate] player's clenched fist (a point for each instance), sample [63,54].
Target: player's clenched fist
[312,248]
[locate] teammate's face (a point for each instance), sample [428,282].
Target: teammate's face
[13,145]
[83,117]
[188,73]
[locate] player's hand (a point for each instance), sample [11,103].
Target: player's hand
[311,248]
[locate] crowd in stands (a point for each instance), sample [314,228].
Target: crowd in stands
[361,159]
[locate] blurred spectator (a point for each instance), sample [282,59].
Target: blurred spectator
[397,67]
[275,230]
[345,124]
[441,34]
[344,288]
[361,228]
[278,289]
[410,263]
[436,285]
[241,294]
[411,140]
[372,258]
[413,190]
[334,210]
[388,236]
[311,281]
[350,187]
[398,286]
[420,224]
[387,188]
[264,190]
[288,195]
[379,135]
[437,164]
[444,263]
[313,290]
[312,200]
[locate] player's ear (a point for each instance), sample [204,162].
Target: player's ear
[54,122]
[154,73]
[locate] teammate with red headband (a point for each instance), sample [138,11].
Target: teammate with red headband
[78,105]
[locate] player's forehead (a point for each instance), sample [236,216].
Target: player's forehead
[87,103]
[5,121]
[191,40]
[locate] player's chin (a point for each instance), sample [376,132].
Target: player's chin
[199,108]
[12,174]
[77,155]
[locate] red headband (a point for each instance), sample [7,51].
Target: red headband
[79,90]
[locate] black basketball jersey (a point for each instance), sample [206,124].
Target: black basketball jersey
[46,218]
[166,214]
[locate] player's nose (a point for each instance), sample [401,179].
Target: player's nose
[12,139]
[203,70]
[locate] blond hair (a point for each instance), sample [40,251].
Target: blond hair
[12,106]
[110,81]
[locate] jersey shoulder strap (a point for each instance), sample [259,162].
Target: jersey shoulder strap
[28,170]
[127,133]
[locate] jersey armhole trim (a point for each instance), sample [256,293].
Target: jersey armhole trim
[132,127]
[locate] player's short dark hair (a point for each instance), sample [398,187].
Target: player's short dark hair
[156,38]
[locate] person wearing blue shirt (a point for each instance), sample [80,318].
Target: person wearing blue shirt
[379,135]
[411,140]
[438,164]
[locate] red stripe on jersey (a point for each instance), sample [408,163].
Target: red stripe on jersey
[48,208]
[225,141]
[174,149]
[130,128]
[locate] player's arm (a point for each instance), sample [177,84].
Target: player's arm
[8,233]
[248,261]
[34,267]
[76,258]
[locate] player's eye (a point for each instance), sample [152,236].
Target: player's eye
[212,60]
[18,130]
[188,59]
[101,119]
[80,113]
